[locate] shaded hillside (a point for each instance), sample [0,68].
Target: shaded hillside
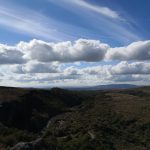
[73,120]
[31,109]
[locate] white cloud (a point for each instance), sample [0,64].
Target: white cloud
[98,9]
[36,67]
[128,78]
[26,21]
[131,68]
[83,76]
[122,68]
[135,51]
[41,25]
[84,50]
[107,24]
[42,62]
[80,50]
[10,55]
[26,24]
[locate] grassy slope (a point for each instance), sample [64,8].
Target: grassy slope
[118,119]
[112,120]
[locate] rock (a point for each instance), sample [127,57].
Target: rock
[28,145]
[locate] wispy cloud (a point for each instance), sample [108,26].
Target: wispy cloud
[99,22]
[29,22]
[106,11]
[26,24]
[102,19]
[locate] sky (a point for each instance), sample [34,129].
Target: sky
[49,43]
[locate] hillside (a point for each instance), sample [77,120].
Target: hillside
[74,120]
[104,87]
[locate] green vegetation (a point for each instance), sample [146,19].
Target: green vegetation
[77,120]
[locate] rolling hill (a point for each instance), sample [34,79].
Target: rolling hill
[72,120]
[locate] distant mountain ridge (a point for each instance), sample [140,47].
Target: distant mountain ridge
[105,87]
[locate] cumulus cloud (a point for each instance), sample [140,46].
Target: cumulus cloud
[77,51]
[136,51]
[85,75]
[10,55]
[131,68]
[143,79]
[91,71]
[36,67]
[83,50]
[40,61]
[122,68]
[61,77]
[80,50]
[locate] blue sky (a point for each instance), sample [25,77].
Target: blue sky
[73,21]
[48,34]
